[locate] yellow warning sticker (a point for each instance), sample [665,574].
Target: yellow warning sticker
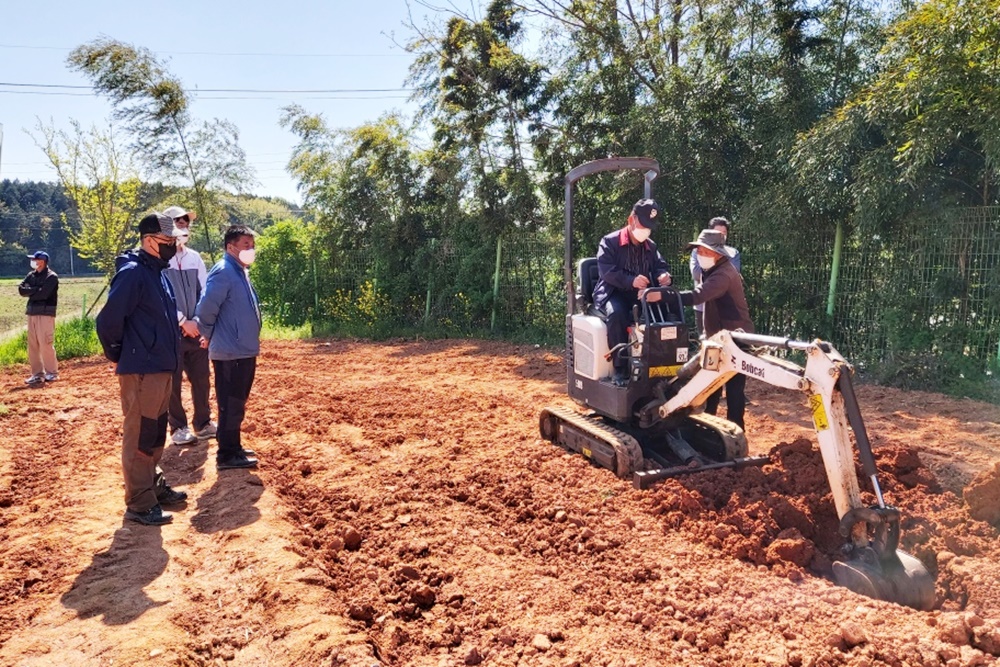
[663,371]
[587,452]
[819,412]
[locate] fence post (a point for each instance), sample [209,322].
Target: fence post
[83,312]
[496,289]
[838,244]
[430,278]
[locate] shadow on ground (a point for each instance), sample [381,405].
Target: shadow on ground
[230,503]
[112,586]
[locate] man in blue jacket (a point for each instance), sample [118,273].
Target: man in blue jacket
[138,330]
[627,263]
[229,319]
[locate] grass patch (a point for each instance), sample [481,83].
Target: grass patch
[74,338]
[273,331]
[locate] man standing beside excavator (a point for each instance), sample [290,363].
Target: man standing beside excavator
[721,290]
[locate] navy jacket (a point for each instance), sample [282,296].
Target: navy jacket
[42,290]
[229,313]
[615,274]
[138,325]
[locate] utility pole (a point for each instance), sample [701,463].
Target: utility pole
[1,144]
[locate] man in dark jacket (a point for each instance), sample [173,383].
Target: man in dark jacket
[721,290]
[138,330]
[41,286]
[229,318]
[719,224]
[628,262]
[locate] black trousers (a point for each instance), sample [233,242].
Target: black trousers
[233,380]
[736,399]
[194,363]
[618,312]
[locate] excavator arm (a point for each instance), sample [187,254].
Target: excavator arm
[872,564]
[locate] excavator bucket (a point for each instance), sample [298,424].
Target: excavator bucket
[898,578]
[873,566]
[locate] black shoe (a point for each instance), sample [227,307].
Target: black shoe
[154,516]
[249,453]
[620,378]
[168,496]
[238,461]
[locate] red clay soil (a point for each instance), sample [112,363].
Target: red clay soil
[406,512]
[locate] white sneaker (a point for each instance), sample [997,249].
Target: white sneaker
[38,378]
[51,377]
[183,436]
[209,431]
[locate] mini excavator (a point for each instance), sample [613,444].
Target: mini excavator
[655,427]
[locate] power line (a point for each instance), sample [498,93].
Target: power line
[233,90]
[233,54]
[218,97]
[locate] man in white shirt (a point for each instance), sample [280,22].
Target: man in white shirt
[186,273]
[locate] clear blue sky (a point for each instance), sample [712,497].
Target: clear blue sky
[222,44]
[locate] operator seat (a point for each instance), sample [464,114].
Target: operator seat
[587,276]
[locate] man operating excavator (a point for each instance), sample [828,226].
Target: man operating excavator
[628,262]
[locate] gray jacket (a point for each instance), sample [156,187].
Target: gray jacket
[187,274]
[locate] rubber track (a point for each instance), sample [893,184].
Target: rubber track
[628,453]
[732,434]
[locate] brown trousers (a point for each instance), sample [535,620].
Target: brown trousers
[144,402]
[41,344]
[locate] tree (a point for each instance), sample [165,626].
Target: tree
[925,133]
[480,95]
[367,188]
[102,181]
[156,111]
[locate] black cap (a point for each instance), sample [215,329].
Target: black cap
[157,223]
[648,213]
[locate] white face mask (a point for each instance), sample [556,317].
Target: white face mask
[247,256]
[34,264]
[640,234]
[706,262]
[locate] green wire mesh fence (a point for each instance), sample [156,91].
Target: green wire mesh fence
[918,309]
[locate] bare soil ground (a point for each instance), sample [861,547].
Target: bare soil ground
[406,512]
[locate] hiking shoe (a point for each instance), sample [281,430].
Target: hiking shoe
[168,496]
[51,377]
[35,380]
[239,461]
[154,516]
[208,431]
[620,378]
[183,436]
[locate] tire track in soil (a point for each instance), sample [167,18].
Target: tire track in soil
[34,507]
